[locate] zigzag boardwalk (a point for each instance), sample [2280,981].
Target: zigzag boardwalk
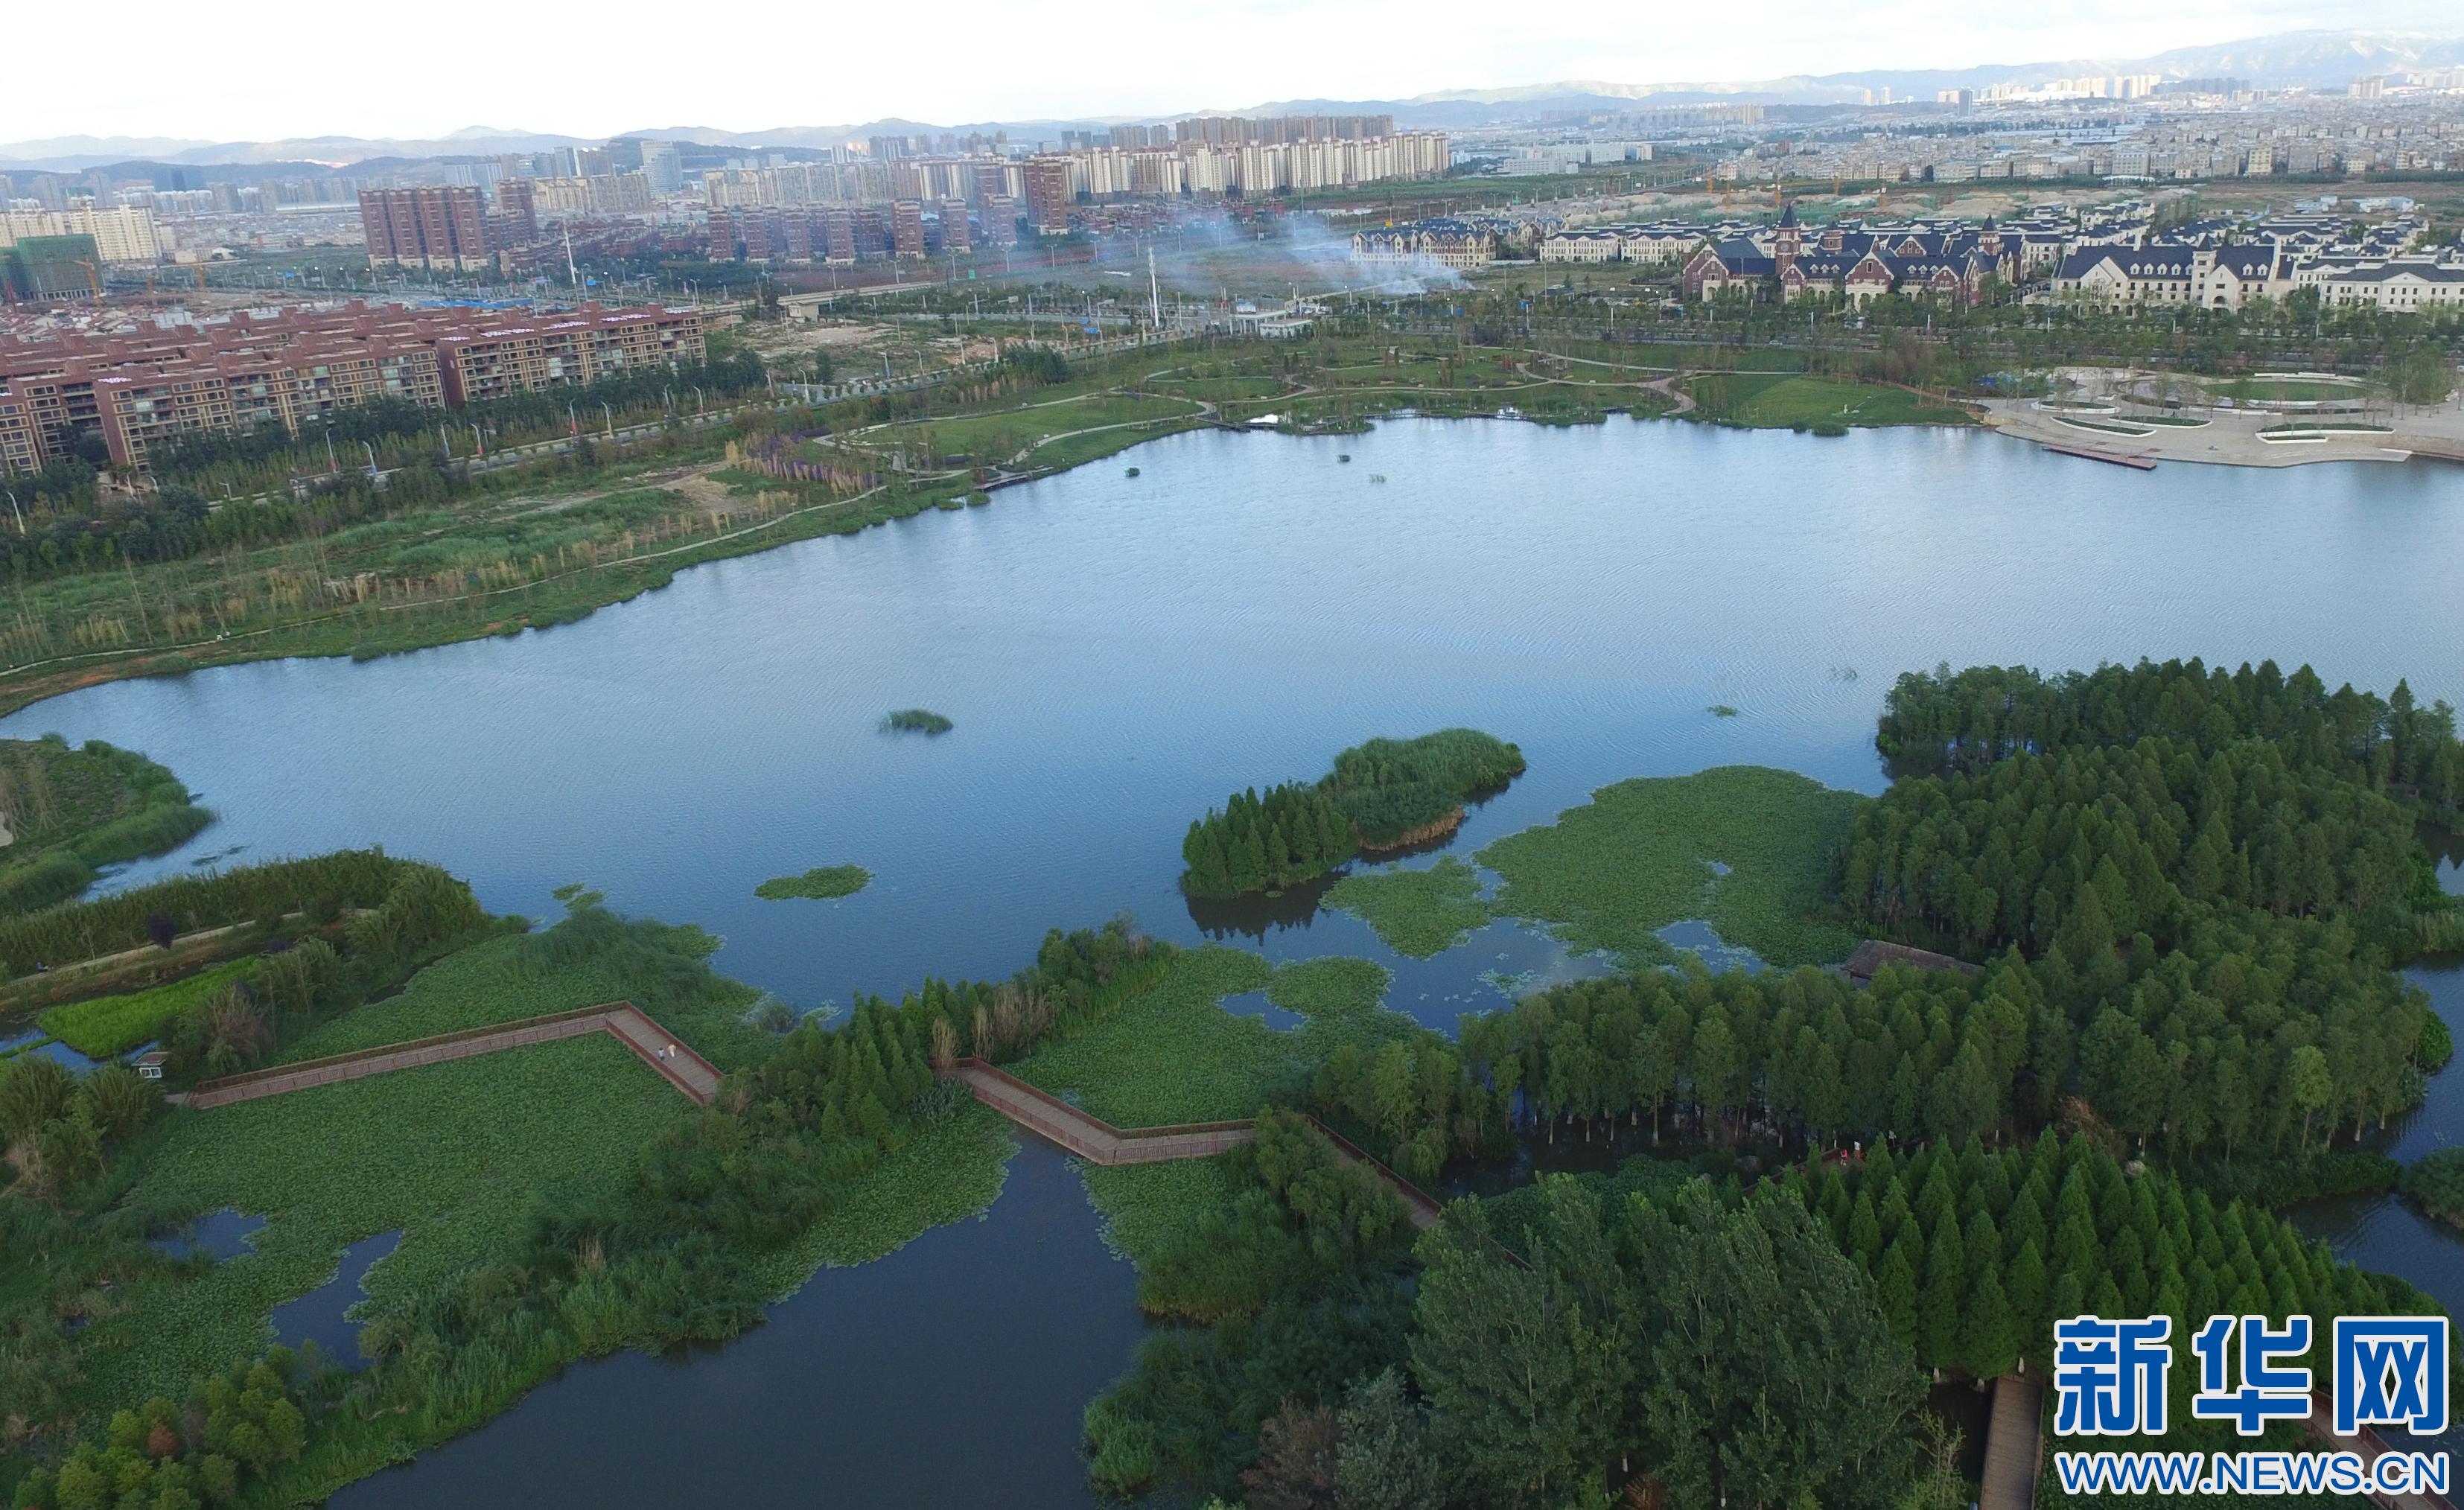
[695,1077]
[1099,1141]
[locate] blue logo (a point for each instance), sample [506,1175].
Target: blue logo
[2268,1392]
[2109,1376]
[2390,1370]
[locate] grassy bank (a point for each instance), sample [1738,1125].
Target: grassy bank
[65,810]
[1646,853]
[1767,400]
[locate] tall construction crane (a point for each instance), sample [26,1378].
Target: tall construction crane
[90,276]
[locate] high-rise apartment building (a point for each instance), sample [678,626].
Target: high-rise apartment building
[438,226]
[1049,195]
[137,389]
[907,228]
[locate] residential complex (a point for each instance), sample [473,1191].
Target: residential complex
[292,368]
[2368,250]
[122,234]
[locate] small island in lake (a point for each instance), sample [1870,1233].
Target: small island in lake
[824,883]
[1382,796]
[915,721]
[2436,1181]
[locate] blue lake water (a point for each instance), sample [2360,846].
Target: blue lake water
[218,1235]
[1118,653]
[322,1316]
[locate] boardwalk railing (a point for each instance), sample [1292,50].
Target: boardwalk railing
[685,1070]
[1099,1141]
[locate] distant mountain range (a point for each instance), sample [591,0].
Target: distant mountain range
[2290,60]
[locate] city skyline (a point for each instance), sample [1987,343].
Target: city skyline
[992,61]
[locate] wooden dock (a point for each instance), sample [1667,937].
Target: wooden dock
[2091,453]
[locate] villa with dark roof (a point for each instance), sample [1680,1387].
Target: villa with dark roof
[1855,264]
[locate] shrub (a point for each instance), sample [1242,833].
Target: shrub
[102,1027]
[2437,1180]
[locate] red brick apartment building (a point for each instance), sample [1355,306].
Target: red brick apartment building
[437,227]
[294,366]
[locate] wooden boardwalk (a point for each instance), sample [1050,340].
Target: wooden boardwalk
[2320,1425]
[2014,1446]
[695,1077]
[1099,1141]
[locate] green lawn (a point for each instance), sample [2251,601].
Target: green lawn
[1786,402]
[1417,912]
[1639,855]
[453,1154]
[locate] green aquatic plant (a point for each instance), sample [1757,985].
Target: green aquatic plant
[1642,855]
[822,882]
[1417,913]
[1721,710]
[915,721]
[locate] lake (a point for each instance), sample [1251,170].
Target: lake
[1118,653]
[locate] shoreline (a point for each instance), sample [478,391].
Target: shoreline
[2226,438]
[340,633]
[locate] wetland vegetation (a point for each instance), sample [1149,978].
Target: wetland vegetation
[65,811]
[915,721]
[1294,1309]
[1383,795]
[822,882]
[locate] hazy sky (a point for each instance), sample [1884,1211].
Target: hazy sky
[177,68]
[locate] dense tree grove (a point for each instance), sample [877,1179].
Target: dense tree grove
[1942,721]
[1916,1055]
[1295,1289]
[2207,875]
[1292,833]
[1717,1342]
[1974,1254]
[2147,838]
[1380,795]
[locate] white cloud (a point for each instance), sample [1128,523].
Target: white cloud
[590,70]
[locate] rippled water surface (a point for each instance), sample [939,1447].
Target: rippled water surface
[1118,653]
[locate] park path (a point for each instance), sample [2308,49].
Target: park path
[2015,1449]
[695,1077]
[1099,1141]
[2014,1445]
